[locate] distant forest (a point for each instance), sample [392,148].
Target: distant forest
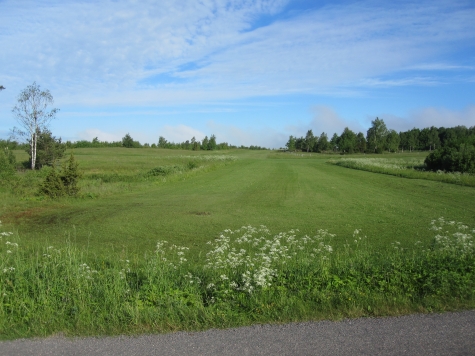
[45,138]
[379,138]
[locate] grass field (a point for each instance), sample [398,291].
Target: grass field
[122,212]
[255,189]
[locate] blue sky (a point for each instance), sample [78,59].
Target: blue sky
[250,72]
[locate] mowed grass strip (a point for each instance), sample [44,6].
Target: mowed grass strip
[282,193]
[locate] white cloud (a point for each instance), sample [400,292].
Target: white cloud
[431,116]
[90,134]
[327,120]
[180,133]
[100,53]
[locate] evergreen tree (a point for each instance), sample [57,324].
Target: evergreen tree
[127,141]
[52,186]
[49,149]
[70,176]
[204,143]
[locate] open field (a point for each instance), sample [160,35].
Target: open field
[124,211]
[193,207]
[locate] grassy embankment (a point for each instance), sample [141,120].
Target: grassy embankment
[404,165]
[123,212]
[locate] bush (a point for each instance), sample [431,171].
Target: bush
[70,176]
[7,163]
[52,186]
[452,159]
[57,184]
[164,170]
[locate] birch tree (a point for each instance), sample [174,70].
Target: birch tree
[32,113]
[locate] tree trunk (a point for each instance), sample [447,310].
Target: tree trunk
[33,151]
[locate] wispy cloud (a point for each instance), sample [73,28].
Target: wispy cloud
[97,53]
[432,116]
[180,133]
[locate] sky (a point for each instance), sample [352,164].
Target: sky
[249,72]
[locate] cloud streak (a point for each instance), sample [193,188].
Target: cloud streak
[100,53]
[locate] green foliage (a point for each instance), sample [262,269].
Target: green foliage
[164,170]
[322,143]
[309,140]
[376,135]
[347,141]
[249,275]
[204,143]
[52,186]
[57,184]
[70,176]
[452,159]
[7,163]
[128,142]
[291,143]
[212,143]
[392,141]
[49,149]
[162,142]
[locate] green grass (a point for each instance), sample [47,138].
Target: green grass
[123,218]
[190,208]
[405,165]
[249,275]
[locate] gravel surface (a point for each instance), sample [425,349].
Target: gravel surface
[419,334]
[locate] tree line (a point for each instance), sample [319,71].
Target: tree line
[33,115]
[379,138]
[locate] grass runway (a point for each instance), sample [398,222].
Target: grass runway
[281,191]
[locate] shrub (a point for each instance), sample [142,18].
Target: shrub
[57,184]
[7,163]
[52,186]
[452,159]
[164,170]
[70,176]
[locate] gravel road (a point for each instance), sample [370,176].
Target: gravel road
[420,334]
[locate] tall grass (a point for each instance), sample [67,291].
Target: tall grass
[248,275]
[123,177]
[405,167]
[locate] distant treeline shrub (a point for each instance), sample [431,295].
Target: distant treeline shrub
[379,138]
[452,159]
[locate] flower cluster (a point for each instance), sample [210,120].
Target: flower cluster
[249,257]
[178,257]
[453,236]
